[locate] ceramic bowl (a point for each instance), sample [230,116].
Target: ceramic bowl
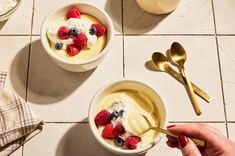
[120,85]
[59,12]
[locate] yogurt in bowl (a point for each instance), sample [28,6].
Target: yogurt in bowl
[77,36]
[116,117]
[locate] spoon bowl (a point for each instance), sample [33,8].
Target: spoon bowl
[178,54]
[160,61]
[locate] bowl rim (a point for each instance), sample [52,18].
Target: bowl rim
[94,128]
[44,39]
[12,9]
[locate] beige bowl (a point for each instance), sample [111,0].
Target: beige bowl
[59,12]
[6,15]
[126,84]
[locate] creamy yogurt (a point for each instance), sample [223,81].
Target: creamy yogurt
[7,5]
[94,44]
[134,105]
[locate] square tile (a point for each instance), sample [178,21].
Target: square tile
[223,12]
[14,60]
[191,17]
[202,67]
[20,21]
[227,61]
[231,130]
[63,140]
[113,8]
[162,149]
[62,96]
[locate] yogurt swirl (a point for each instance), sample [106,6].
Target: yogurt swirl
[80,24]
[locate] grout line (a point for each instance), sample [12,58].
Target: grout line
[117,34]
[123,42]
[220,69]
[27,78]
[196,121]
[65,122]
[169,34]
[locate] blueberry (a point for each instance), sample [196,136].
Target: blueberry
[121,112]
[118,142]
[73,31]
[93,31]
[58,46]
[115,114]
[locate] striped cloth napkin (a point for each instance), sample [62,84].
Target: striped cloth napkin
[18,123]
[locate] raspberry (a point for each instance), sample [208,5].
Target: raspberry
[73,13]
[131,142]
[63,33]
[80,40]
[72,50]
[99,28]
[119,129]
[108,132]
[103,118]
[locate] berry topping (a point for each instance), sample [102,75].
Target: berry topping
[103,118]
[118,142]
[93,31]
[100,29]
[132,141]
[58,46]
[63,33]
[115,114]
[121,112]
[73,31]
[80,40]
[73,13]
[72,50]
[119,129]
[108,132]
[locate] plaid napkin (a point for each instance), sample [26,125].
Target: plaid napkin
[18,124]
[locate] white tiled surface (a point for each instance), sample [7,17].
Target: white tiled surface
[227,58]
[191,17]
[223,11]
[231,129]
[62,98]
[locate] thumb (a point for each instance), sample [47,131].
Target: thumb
[187,146]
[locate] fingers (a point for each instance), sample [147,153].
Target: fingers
[187,146]
[200,131]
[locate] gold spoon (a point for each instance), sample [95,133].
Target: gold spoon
[161,63]
[161,130]
[178,56]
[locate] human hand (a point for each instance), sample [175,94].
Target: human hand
[216,143]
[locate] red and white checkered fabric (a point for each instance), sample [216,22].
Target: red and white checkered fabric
[18,123]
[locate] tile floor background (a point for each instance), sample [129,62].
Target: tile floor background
[204,27]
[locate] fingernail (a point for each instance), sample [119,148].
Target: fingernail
[170,126]
[183,141]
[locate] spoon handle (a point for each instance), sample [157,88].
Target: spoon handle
[196,141]
[191,92]
[196,89]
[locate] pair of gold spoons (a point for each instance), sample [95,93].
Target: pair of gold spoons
[178,56]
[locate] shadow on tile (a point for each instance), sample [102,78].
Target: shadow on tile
[80,141]
[2,23]
[136,20]
[18,71]
[47,82]
[112,8]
